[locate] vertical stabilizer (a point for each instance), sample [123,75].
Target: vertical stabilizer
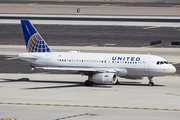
[34,41]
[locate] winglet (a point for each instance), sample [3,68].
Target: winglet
[32,67]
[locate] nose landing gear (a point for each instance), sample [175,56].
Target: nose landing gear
[150,81]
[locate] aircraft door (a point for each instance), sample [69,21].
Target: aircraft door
[49,57]
[105,62]
[146,65]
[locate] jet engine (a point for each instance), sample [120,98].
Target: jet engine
[104,78]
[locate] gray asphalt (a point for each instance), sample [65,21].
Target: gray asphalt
[157,3]
[67,35]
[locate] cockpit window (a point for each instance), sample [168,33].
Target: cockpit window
[166,62]
[161,62]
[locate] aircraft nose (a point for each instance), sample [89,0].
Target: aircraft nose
[173,70]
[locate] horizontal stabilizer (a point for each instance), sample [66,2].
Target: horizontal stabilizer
[32,67]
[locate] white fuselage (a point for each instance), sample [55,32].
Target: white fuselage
[133,65]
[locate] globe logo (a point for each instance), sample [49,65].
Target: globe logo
[37,44]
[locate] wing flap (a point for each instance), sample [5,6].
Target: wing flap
[68,69]
[77,69]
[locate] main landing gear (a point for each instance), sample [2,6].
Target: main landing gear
[150,81]
[117,82]
[88,83]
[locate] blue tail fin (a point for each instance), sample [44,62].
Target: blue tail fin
[34,41]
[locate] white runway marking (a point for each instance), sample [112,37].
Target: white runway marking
[151,27]
[107,23]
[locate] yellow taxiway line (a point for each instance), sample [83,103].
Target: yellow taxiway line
[176,6]
[7,119]
[91,106]
[104,4]
[32,3]
[173,75]
[175,63]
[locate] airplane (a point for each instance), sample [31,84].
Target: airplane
[103,68]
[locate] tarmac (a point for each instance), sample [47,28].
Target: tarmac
[88,9]
[47,95]
[44,95]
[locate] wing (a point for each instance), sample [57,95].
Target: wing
[77,69]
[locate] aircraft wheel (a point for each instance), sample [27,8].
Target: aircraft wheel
[117,82]
[151,84]
[88,83]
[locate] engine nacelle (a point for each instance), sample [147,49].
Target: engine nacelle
[104,78]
